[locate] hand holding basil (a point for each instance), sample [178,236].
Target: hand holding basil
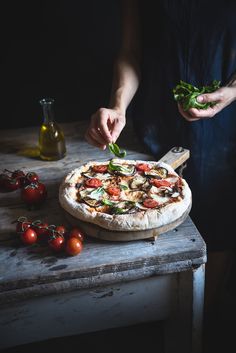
[186,94]
[115,149]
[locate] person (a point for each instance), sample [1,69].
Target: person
[164,42]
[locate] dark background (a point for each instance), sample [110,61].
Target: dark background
[61,49]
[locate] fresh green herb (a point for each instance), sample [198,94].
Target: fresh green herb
[97,193]
[186,94]
[115,149]
[107,202]
[123,187]
[119,168]
[117,210]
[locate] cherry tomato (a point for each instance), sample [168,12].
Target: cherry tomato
[93,183]
[31,177]
[17,174]
[34,193]
[160,182]
[73,246]
[76,233]
[41,228]
[60,229]
[22,224]
[150,203]
[29,236]
[100,168]
[143,167]
[113,191]
[11,184]
[57,243]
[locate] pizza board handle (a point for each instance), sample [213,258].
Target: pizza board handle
[176,157]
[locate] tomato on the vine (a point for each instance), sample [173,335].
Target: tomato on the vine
[34,193]
[10,184]
[31,177]
[57,243]
[73,246]
[60,229]
[76,233]
[40,228]
[17,174]
[29,236]
[22,224]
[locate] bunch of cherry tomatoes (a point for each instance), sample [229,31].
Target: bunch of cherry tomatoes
[33,192]
[58,237]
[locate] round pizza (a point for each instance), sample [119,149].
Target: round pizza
[125,195]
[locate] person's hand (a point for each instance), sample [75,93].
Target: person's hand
[223,97]
[105,127]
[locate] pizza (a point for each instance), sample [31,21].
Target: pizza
[125,195]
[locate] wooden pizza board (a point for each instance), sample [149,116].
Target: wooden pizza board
[96,231]
[175,157]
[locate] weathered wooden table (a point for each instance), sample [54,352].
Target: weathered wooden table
[109,284]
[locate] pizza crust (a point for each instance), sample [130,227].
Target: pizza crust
[141,220]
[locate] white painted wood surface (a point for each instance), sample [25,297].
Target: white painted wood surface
[38,287]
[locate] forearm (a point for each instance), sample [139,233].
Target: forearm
[125,82]
[126,75]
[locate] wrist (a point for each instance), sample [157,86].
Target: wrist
[233,90]
[116,103]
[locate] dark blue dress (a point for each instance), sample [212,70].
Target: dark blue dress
[194,41]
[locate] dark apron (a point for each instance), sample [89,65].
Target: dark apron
[194,41]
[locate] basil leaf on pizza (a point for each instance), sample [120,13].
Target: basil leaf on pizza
[125,195]
[115,149]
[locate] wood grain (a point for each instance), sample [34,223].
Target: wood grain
[176,157]
[28,271]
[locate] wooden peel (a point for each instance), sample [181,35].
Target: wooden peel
[176,157]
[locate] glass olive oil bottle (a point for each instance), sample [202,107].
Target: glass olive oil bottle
[51,136]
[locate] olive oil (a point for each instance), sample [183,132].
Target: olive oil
[51,136]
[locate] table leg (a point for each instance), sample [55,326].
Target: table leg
[183,329]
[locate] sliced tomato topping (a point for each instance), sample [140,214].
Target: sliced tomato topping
[143,167]
[179,183]
[160,182]
[100,168]
[113,191]
[150,203]
[93,183]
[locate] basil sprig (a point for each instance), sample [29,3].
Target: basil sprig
[108,202]
[186,94]
[119,168]
[115,149]
[97,193]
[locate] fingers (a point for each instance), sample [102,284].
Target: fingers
[216,96]
[103,125]
[186,114]
[204,113]
[116,130]
[93,141]
[93,134]
[98,133]
[194,114]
